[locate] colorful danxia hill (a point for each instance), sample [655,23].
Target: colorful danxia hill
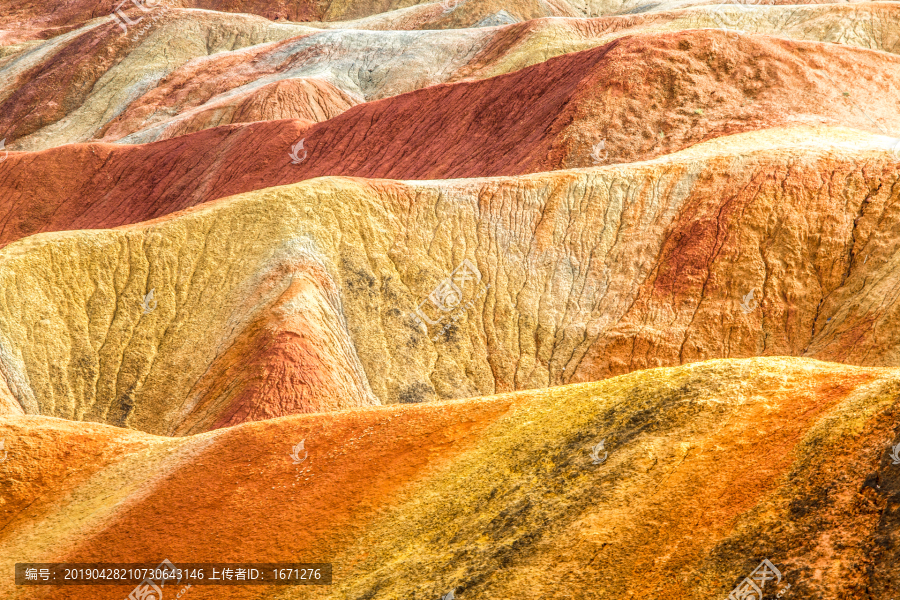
[467,299]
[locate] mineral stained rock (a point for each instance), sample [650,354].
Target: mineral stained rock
[705,470]
[636,98]
[781,242]
[471,299]
[189,70]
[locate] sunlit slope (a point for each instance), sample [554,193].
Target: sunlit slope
[187,70]
[22,21]
[783,242]
[225,344]
[705,470]
[405,61]
[358,65]
[872,25]
[868,24]
[636,98]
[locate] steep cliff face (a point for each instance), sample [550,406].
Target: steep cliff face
[704,471]
[780,242]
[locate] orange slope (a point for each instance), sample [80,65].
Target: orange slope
[707,469]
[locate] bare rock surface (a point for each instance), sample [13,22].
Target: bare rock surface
[704,471]
[471,299]
[636,98]
[185,70]
[456,289]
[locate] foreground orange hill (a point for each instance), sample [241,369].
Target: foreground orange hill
[495,276]
[636,98]
[709,469]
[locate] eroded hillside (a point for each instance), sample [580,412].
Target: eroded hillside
[776,243]
[467,299]
[705,471]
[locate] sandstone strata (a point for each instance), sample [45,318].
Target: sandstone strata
[185,70]
[574,276]
[471,299]
[706,470]
[636,98]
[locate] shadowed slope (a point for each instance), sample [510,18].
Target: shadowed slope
[705,471]
[569,276]
[640,96]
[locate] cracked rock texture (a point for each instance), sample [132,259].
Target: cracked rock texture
[636,98]
[707,469]
[520,282]
[558,299]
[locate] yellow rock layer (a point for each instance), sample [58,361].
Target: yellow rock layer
[463,288]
